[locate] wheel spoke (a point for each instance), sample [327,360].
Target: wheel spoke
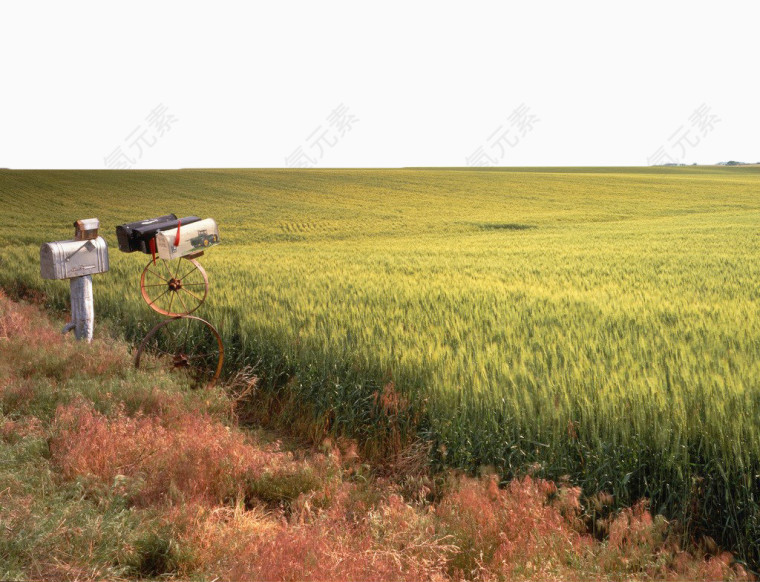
[199,299]
[166,266]
[171,301]
[179,296]
[159,297]
[157,275]
[156,285]
[195,268]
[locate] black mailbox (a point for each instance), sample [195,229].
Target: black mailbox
[129,238]
[136,236]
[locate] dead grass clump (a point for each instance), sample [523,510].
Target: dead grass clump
[634,537]
[12,322]
[191,456]
[518,528]
[384,539]
[328,551]
[640,543]
[181,456]
[218,536]
[241,389]
[19,320]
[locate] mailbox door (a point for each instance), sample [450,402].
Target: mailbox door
[88,258]
[51,265]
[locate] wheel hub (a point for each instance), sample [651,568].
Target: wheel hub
[175,284]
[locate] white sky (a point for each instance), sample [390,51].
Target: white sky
[427,83]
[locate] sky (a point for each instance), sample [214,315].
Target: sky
[351,84]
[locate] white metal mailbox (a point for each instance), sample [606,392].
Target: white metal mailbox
[73,258]
[193,238]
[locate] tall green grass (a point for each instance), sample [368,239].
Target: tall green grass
[601,324]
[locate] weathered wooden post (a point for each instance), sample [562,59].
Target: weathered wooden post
[77,260]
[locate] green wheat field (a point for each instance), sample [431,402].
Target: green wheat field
[600,325]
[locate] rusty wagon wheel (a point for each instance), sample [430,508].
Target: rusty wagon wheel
[174,289]
[187,344]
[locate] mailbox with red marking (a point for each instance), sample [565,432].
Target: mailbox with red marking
[187,239]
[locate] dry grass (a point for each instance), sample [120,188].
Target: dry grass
[172,459]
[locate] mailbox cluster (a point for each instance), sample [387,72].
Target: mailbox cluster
[174,286]
[168,236]
[171,290]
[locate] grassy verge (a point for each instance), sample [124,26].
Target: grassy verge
[106,473]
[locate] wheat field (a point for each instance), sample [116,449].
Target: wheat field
[597,323]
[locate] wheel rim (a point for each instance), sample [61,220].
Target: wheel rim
[184,343]
[174,289]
